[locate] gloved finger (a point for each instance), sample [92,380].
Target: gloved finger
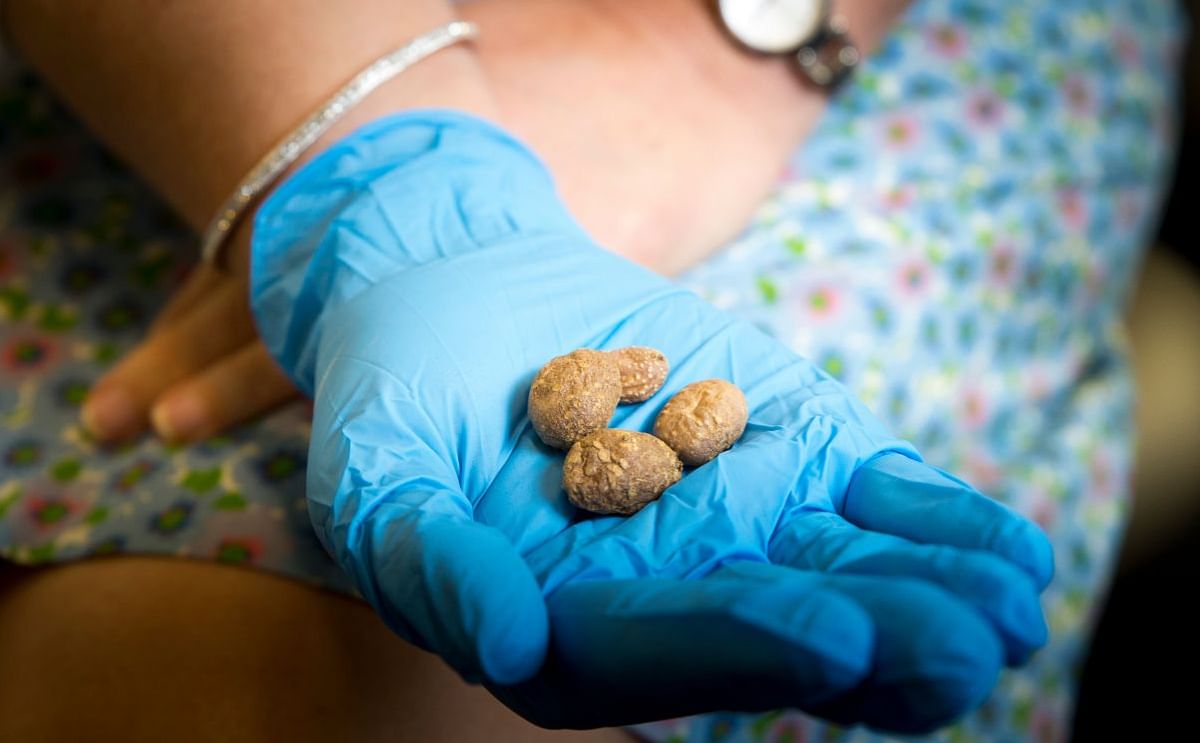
[448,584]
[627,651]
[199,284]
[935,658]
[118,405]
[999,590]
[894,494]
[385,500]
[229,391]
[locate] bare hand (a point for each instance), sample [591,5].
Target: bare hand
[200,370]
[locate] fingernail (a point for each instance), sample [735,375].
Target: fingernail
[178,418]
[107,412]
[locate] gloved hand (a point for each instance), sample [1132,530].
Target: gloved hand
[413,279]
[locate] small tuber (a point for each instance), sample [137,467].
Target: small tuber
[643,371]
[615,471]
[573,395]
[702,420]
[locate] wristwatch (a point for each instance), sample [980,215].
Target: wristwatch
[806,29]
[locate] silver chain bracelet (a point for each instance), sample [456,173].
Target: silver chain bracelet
[289,149]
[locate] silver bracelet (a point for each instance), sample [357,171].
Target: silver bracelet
[282,155]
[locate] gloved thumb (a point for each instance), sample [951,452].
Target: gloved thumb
[387,506]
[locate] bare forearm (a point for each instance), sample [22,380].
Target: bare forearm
[191,94]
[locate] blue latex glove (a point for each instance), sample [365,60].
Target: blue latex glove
[413,279]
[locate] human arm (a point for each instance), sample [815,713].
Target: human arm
[637,174]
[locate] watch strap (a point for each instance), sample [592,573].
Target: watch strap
[829,57]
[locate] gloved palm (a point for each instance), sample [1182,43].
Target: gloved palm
[416,276]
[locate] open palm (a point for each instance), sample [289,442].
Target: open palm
[414,279]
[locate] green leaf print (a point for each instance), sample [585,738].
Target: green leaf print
[150,271]
[41,553]
[52,513]
[66,470]
[106,352]
[230,502]
[201,481]
[762,724]
[8,499]
[217,441]
[796,246]
[768,290]
[14,301]
[233,553]
[1022,713]
[57,319]
[73,393]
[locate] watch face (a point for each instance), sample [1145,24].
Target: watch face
[773,26]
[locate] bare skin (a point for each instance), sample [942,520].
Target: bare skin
[191,99]
[146,649]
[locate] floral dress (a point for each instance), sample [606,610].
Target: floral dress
[955,242]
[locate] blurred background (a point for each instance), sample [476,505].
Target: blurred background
[1147,639]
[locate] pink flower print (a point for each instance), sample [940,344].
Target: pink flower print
[913,278]
[1002,264]
[1126,46]
[1072,208]
[1101,476]
[973,408]
[947,40]
[1044,511]
[1095,279]
[27,354]
[985,110]
[50,511]
[789,730]
[1037,383]
[1047,726]
[897,197]
[1078,94]
[1129,208]
[822,302]
[982,472]
[900,132]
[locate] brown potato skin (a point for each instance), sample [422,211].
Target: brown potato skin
[573,395]
[643,371]
[612,471]
[702,420]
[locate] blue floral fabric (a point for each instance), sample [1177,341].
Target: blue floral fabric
[955,243]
